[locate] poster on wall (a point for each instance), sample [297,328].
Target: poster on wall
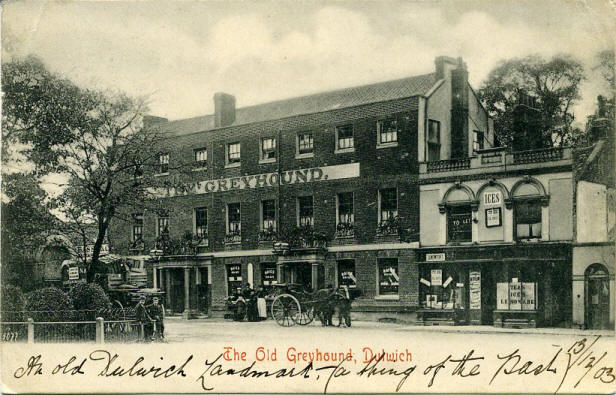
[528,296]
[502,296]
[515,296]
[234,278]
[269,275]
[493,217]
[436,277]
[474,280]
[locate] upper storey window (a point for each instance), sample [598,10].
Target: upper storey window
[305,144]
[201,157]
[387,132]
[268,149]
[528,219]
[305,214]
[459,223]
[434,140]
[478,140]
[344,138]
[233,154]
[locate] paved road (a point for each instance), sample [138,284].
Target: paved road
[179,330]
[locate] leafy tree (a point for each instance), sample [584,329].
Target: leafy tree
[554,85]
[607,67]
[26,222]
[96,140]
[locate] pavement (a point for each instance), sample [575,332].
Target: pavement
[180,330]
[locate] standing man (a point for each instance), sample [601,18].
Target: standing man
[344,306]
[142,315]
[157,312]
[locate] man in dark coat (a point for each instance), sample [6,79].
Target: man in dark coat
[142,315]
[157,312]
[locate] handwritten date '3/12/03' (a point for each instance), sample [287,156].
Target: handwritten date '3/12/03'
[581,362]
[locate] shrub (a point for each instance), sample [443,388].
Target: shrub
[88,297]
[11,301]
[48,300]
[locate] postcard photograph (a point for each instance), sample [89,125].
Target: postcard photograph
[308,196]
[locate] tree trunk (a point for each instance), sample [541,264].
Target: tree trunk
[95,266]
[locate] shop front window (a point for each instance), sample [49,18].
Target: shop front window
[442,288]
[346,273]
[459,223]
[528,219]
[234,278]
[517,288]
[389,280]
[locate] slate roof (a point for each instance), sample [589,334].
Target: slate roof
[319,102]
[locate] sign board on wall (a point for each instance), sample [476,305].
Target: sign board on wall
[290,177]
[492,198]
[436,277]
[493,217]
[515,296]
[474,284]
[269,276]
[502,296]
[528,296]
[73,273]
[435,257]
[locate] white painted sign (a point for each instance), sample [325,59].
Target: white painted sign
[424,282]
[528,296]
[290,177]
[474,285]
[435,257]
[502,296]
[493,198]
[73,273]
[436,277]
[446,283]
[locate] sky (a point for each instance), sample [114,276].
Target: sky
[178,54]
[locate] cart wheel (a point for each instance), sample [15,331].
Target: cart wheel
[306,315]
[284,308]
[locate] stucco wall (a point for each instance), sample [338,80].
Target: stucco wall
[591,212]
[561,209]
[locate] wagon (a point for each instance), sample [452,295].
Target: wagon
[293,304]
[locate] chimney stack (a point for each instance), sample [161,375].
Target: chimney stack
[224,109]
[151,120]
[442,65]
[459,111]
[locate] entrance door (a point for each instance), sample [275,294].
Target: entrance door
[177,290]
[299,273]
[597,297]
[203,292]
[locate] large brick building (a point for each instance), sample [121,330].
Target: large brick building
[334,175]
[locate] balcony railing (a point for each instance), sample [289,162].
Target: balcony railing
[233,238]
[268,235]
[449,165]
[538,155]
[345,230]
[494,157]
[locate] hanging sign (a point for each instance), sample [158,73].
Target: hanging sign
[424,282]
[493,198]
[436,277]
[474,280]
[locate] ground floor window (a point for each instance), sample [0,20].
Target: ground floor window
[346,273]
[269,275]
[516,288]
[388,276]
[442,287]
[234,278]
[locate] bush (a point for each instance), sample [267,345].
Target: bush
[46,300]
[11,301]
[88,297]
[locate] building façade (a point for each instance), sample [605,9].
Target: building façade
[333,176]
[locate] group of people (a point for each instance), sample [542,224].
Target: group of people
[246,303]
[334,301]
[152,318]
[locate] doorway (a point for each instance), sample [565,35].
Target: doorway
[299,273]
[177,290]
[597,284]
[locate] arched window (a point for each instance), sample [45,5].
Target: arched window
[528,197]
[458,204]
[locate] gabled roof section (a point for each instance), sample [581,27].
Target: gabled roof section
[319,102]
